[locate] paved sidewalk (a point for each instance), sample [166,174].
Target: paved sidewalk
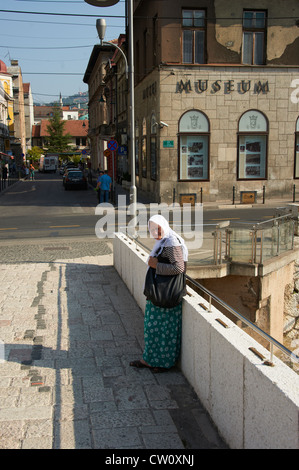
[70,329]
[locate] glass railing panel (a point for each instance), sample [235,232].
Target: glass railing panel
[267,241]
[286,231]
[241,245]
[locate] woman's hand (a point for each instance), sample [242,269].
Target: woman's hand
[152,262]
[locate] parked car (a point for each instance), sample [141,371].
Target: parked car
[74,178]
[67,166]
[66,171]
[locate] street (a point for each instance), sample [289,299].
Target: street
[42,208]
[40,221]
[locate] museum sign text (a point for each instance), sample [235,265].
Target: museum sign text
[228,86]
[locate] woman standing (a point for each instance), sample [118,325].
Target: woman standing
[163,326]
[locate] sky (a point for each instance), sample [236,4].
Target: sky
[53,50]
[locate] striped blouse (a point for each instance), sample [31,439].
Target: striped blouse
[174,255]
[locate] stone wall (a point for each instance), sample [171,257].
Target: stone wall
[291,315]
[223,101]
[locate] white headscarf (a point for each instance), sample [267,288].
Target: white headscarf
[170,238]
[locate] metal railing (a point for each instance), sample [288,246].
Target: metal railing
[212,297]
[272,341]
[262,241]
[10,180]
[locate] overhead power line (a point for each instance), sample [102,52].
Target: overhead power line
[58,47]
[136,17]
[60,14]
[53,73]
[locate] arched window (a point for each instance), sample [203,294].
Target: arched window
[297,149]
[252,145]
[194,136]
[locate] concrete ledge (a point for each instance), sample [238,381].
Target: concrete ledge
[208,271]
[254,406]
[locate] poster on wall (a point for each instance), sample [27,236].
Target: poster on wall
[194,157]
[252,157]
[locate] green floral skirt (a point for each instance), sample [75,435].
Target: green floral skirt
[162,335]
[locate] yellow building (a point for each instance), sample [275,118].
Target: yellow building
[6,108]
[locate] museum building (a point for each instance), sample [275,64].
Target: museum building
[216,100]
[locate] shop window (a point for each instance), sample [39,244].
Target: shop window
[153,149]
[254,37]
[297,150]
[194,36]
[194,136]
[144,150]
[252,146]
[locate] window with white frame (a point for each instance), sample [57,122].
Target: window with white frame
[254,37]
[252,145]
[194,136]
[194,36]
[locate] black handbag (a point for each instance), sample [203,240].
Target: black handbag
[164,291]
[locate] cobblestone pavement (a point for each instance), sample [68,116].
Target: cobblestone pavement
[68,329]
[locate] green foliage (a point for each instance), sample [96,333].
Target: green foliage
[76,159]
[35,153]
[58,140]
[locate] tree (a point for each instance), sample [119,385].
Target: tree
[35,153]
[58,139]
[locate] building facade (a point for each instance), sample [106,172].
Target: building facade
[17,126]
[6,109]
[77,130]
[29,114]
[216,98]
[107,108]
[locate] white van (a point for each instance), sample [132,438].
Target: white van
[48,162]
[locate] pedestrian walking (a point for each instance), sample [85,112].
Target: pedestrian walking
[105,187]
[31,172]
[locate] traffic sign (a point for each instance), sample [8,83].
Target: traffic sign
[122,150]
[107,153]
[112,145]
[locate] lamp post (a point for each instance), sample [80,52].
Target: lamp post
[102,27]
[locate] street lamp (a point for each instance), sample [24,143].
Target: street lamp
[101,29]
[108,3]
[102,3]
